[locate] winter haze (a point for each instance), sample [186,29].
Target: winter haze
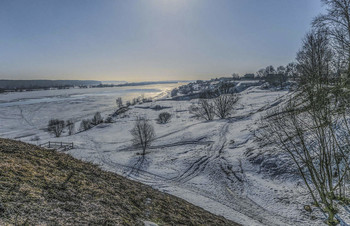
[175,112]
[148,39]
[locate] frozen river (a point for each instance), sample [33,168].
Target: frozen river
[46,96]
[24,113]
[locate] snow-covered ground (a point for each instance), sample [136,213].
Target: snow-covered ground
[205,163]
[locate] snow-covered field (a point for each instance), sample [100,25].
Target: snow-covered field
[202,162]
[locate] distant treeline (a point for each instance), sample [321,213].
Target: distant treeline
[149,83]
[42,84]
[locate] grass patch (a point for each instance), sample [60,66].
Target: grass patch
[39,186]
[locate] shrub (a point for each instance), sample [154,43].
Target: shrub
[35,138]
[174,92]
[109,119]
[157,107]
[119,102]
[85,125]
[70,125]
[97,119]
[203,110]
[164,117]
[134,101]
[224,104]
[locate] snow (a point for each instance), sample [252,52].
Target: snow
[202,162]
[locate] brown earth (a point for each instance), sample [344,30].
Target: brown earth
[45,187]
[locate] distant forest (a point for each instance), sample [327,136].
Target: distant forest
[42,84]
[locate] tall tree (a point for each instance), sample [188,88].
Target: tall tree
[235,75]
[291,70]
[143,134]
[260,73]
[314,59]
[336,21]
[281,70]
[270,70]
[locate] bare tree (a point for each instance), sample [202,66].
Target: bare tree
[291,71]
[56,126]
[203,110]
[119,102]
[143,134]
[314,132]
[336,21]
[314,127]
[135,101]
[260,73]
[85,125]
[276,79]
[70,125]
[314,59]
[164,117]
[97,119]
[226,88]
[270,70]
[281,70]
[235,76]
[224,104]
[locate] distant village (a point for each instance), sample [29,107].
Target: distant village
[281,78]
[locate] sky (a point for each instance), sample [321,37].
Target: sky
[149,40]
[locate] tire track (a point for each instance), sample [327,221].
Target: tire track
[200,165]
[228,180]
[196,168]
[197,141]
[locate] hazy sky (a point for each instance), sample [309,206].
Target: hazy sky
[137,40]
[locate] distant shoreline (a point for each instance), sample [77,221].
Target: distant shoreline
[152,83]
[37,85]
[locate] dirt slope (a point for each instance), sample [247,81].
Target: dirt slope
[39,186]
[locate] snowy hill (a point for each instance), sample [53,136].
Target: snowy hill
[218,165]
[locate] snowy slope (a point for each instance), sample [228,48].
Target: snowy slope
[205,163]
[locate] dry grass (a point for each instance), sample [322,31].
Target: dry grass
[44,187]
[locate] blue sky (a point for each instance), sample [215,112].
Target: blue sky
[138,40]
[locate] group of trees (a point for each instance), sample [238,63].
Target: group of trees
[278,76]
[313,127]
[134,101]
[290,70]
[87,124]
[57,126]
[221,106]
[143,131]
[314,131]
